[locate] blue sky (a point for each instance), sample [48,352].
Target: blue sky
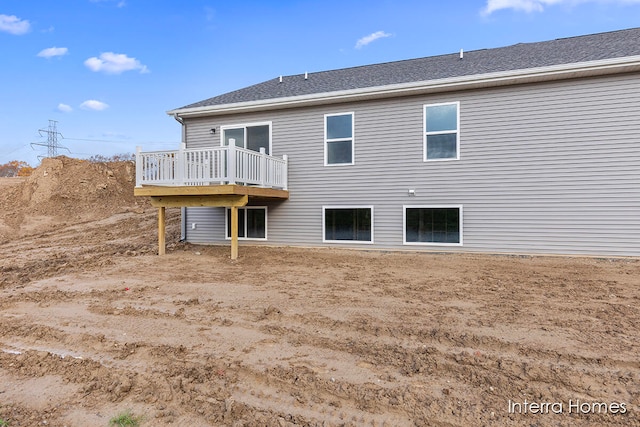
[108,70]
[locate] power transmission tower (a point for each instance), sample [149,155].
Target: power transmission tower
[52,140]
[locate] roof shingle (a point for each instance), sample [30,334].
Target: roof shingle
[615,44]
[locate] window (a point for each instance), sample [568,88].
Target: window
[433,225]
[338,139]
[441,131]
[252,223]
[250,136]
[348,224]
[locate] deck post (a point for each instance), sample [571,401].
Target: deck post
[285,172]
[161,230]
[179,165]
[231,161]
[139,166]
[234,232]
[263,167]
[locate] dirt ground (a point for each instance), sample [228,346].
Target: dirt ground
[93,323]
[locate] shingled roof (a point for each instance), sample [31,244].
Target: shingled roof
[522,56]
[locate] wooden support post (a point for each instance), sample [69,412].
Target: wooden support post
[161,230]
[234,232]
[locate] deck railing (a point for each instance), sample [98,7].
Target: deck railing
[211,166]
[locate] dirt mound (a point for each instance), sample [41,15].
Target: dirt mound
[62,191]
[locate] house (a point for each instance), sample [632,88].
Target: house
[530,148]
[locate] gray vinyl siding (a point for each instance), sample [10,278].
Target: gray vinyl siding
[209,224]
[544,168]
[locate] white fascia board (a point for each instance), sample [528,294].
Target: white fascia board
[475,81]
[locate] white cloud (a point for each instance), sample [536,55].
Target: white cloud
[114,63]
[539,5]
[65,108]
[370,38]
[50,52]
[121,3]
[13,25]
[94,105]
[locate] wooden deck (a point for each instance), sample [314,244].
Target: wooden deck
[206,195]
[229,195]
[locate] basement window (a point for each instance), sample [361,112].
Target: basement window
[252,223]
[433,225]
[353,224]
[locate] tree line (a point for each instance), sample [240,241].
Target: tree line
[15,168]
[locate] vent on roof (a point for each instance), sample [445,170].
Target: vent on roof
[461,54]
[306,75]
[280,79]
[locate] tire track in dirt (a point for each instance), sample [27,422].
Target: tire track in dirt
[480,367]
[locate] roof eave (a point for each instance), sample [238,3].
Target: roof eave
[476,81]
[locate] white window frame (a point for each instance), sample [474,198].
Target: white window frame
[404,224]
[245,208]
[353,139]
[245,126]
[361,242]
[425,133]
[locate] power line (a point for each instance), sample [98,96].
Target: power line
[52,140]
[13,151]
[53,146]
[123,142]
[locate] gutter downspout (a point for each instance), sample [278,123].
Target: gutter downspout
[183,210]
[184,128]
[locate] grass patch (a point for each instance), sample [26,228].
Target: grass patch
[4,423]
[125,419]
